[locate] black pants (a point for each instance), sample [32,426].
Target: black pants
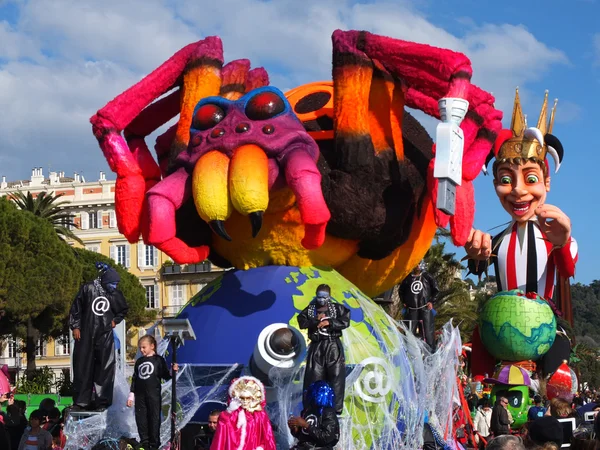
[325,361]
[147,418]
[423,317]
[94,370]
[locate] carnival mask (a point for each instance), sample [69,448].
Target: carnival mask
[248,394]
[322,298]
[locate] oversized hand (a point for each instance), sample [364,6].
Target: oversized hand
[555,224]
[479,245]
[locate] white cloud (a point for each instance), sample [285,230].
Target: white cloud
[64,59]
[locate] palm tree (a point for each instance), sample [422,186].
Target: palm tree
[45,205]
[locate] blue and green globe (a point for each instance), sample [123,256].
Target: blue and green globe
[229,314]
[514,327]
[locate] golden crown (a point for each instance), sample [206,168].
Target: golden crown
[528,142]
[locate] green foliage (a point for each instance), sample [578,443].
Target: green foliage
[40,381]
[45,205]
[64,386]
[39,277]
[454,300]
[586,309]
[130,285]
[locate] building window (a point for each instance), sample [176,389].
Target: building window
[62,346]
[147,256]
[67,222]
[120,254]
[177,295]
[13,347]
[93,247]
[150,256]
[151,297]
[40,348]
[93,219]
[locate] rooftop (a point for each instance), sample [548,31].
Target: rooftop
[38,180]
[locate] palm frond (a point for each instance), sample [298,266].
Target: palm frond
[47,206]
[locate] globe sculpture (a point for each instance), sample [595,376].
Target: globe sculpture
[515,326]
[245,322]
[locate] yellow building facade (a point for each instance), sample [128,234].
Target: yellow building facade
[92,203]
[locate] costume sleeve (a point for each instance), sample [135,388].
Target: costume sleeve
[164,371]
[565,258]
[119,307]
[306,322]
[76,310]
[135,375]
[328,432]
[342,321]
[435,290]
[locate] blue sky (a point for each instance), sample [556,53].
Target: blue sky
[61,60]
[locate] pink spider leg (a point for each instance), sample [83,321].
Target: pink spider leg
[304,179]
[134,169]
[164,200]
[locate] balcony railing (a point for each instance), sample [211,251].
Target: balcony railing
[176,269]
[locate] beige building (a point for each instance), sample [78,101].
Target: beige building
[168,287]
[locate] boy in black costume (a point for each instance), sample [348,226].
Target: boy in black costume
[325,360]
[146,386]
[97,309]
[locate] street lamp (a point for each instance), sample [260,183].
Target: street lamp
[177,330]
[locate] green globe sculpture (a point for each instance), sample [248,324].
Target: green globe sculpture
[515,326]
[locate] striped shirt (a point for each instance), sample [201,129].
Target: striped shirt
[525,260]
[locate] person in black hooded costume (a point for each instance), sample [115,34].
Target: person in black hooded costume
[97,309]
[418,292]
[325,359]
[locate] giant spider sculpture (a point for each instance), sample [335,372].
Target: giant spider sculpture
[332,174]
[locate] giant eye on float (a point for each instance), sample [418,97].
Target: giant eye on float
[292,198]
[264,106]
[207,116]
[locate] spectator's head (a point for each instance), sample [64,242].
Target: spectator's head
[577,401]
[537,399]
[213,419]
[485,403]
[147,345]
[503,401]
[13,410]
[582,438]
[506,442]
[54,414]
[46,405]
[22,406]
[35,419]
[560,408]
[544,430]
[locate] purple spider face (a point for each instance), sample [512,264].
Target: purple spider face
[263,117]
[241,150]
